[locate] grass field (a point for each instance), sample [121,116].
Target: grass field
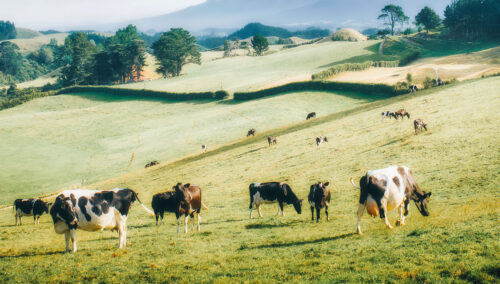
[457,160]
[59,141]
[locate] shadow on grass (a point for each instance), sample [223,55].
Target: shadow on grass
[299,243]
[106,98]
[28,254]
[272,225]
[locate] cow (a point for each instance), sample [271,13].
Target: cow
[165,202]
[413,88]
[251,132]
[319,197]
[93,210]
[311,115]
[321,139]
[418,124]
[30,207]
[402,112]
[271,140]
[388,114]
[204,148]
[271,192]
[387,189]
[152,163]
[189,198]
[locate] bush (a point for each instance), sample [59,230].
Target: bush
[321,86]
[428,83]
[221,94]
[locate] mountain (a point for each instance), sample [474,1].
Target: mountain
[291,14]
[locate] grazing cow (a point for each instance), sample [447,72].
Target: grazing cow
[413,88]
[321,139]
[311,115]
[30,207]
[388,114]
[189,199]
[387,189]
[271,140]
[152,163]
[93,210]
[251,132]
[271,192]
[418,124]
[319,197]
[402,112]
[204,148]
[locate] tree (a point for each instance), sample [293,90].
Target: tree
[393,15]
[11,60]
[259,44]
[7,30]
[473,18]
[428,18]
[173,50]
[80,52]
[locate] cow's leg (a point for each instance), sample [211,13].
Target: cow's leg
[326,212]
[20,221]
[66,238]
[178,216]
[318,209]
[156,217]
[281,208]
[192,224]
[250,211]
[199,220]
[361,209]
[161,216]
[258,209]
[186,218]
[312,213]
[16,218]
[73,238]
[34,218]
[386,219]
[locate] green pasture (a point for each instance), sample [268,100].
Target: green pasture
[457,160]
[64,141]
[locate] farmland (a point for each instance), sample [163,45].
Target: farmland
[457,160]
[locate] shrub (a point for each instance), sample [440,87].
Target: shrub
[428,83]
[336,69]
[221,94]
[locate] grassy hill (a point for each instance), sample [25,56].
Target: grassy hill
[91,137]
[457,160]
[23,33]
[27,45]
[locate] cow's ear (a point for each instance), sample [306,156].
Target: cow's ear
[428,195]
[326,183]
[187,185]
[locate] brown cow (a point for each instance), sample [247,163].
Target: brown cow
[418,124]
[189,197]
[319,197]
[402,112]
[271,140]
[152,163]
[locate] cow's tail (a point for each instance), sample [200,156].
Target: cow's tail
[204,206]
[353,184]
[151,213]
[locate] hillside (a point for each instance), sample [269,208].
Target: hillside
[23,33]
[456,160]
[27,45]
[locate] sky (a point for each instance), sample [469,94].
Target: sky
[52,14]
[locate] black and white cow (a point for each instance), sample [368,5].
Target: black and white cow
[320,140]
[388,114]
[251,132]
[311,115]
[93,210]
[204,148]
[271,192]
[30,207]
[319,197]
[387,189]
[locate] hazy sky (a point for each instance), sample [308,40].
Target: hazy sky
[45,14]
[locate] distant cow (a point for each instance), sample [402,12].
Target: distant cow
[204,148]
[30,207]
[152,163]
[311,115]
[387,189]
[388,114]
[271,140]
[413,88]
[271,192]
[93,210]
[251,132]
[402,112]
[189,198]
[418,124]
[319,197]
[321,139]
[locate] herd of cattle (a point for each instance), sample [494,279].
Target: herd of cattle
[381,190]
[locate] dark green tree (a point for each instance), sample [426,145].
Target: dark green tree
[392,15]
[473,18]
[427,18]
[259,44]
[80,68]
[7,30]
[11,60]
[173,50]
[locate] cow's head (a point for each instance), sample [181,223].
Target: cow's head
[298,206]
[325,139]
[46,206]
[422,201]
[63,210]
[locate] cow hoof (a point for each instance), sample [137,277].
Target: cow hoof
[389,226]
[399,223]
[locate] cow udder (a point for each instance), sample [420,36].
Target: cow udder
[372,208]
